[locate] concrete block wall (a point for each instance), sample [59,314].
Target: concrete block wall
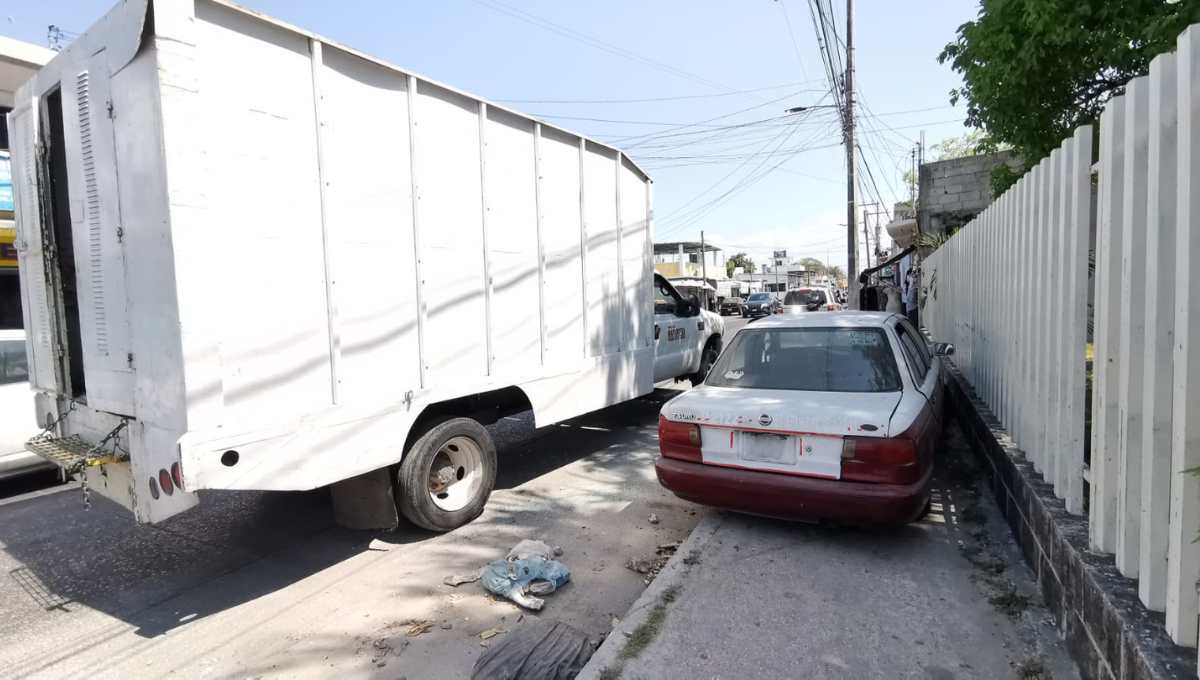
[954,191]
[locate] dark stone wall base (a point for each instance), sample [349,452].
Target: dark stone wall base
[1108,631]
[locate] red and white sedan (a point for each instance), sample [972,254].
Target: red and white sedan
[814,416]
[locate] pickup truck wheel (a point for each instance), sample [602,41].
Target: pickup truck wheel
[447,476]
[707,359]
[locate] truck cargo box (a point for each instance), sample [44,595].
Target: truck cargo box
[256,259]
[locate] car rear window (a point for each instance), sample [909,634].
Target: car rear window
[809,359]
[805,296]
[759,297]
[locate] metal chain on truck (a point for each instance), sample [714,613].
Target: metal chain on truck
[115,437]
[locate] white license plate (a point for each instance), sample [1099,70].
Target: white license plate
[770,448]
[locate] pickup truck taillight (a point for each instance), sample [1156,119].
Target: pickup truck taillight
[879,460]
[832,308]
[679,440]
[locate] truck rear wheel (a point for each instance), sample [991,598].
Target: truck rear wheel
[707,359]
[447,476]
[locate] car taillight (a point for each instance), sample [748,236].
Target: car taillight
[679,440]
[831,308]
[879,460]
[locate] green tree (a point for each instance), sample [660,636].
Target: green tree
[739,260]
[836,273]
[813,265]
[1034,70]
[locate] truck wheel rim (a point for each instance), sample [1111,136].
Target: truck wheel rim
[455,474]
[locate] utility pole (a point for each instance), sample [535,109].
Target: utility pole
[704,271]
[851,161]
[867,242]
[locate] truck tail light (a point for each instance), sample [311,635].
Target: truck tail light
[679,440]
[879,460]
[832,308]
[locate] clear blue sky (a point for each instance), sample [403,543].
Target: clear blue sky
[746,187]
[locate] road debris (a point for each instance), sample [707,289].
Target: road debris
[456,580]
[416,628]
[446,625]
[538,649]
[616,622]
[652,565]
[527,570]
[653,518]
[487,635]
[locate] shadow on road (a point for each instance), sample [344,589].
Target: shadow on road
[236,547]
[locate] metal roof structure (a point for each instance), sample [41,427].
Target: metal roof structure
[689,248]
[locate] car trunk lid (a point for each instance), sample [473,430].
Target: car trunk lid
[785,431]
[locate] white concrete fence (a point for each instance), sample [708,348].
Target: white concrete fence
[1011,290]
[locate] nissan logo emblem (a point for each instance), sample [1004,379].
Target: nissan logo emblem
[764,420]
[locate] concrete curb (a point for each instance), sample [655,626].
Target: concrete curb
[673,574]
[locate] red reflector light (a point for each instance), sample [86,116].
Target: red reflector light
[165,482]
[831,308]
[879,459]
[679,440]
[176,475]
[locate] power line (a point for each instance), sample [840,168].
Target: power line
[655,99]
[521,15]
[792,35]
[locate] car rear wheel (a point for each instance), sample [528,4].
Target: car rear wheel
[447,476]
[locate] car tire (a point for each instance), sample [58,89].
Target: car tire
[708,357]
[446,477]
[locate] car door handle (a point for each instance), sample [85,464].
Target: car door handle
[657,331]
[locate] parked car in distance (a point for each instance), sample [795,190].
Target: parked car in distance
[761,304]
[18,418]
[811,300]
[734,306]
[813,416]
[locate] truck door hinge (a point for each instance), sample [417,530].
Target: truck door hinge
[120,235]
[109,106]
[129,359]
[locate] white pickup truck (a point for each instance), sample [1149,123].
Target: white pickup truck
[255,259]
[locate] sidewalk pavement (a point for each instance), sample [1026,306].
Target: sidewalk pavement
[752,597]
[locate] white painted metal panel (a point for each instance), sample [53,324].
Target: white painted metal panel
[561,229]
[513,243]
[1183,551]
[636,244]
[1052,326]
[34,292]
[603,286]
[1158,365]
[1108,355]
[1132,330]
[449,207]
[369,221]
[1079,212]
[97,237]
[264,198]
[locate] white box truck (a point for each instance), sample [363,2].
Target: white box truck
[252,258]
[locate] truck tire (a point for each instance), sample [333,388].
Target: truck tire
[707,358]
[445,479]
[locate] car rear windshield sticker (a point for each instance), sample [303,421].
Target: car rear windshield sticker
[734,375]
[675,334]
[865,339]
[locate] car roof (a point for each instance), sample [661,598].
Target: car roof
[848,319]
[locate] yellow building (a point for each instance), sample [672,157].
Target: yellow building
[671,270]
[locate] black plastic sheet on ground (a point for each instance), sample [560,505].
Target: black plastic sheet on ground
[535,650]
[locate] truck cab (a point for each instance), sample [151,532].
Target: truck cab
[687,337]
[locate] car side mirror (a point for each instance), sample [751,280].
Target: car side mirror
[693,308]
[943,349]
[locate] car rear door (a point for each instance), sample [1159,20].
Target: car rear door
[925,371]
